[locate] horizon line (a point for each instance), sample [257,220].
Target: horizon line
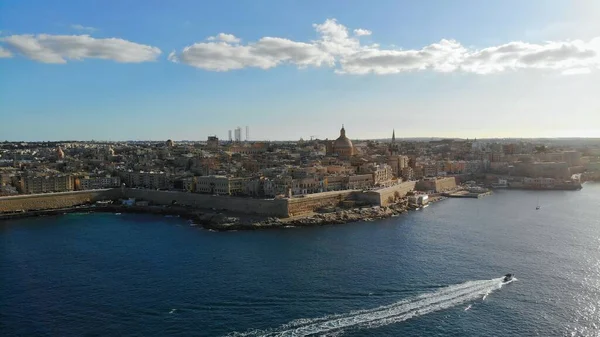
[283,140]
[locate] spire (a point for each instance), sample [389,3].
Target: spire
[393,135]
[343,131]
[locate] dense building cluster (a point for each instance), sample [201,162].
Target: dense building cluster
[288,169]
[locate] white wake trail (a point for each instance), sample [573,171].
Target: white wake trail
[443,298]
[440,292]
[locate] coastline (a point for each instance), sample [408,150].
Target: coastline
[227,221]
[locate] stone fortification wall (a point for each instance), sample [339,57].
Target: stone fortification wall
[438,184]
[29,202]
[311,202]
[384,196]
[272,207]
[445,184]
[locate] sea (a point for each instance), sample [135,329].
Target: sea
[433,272]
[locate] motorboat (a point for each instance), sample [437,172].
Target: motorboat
[508,278]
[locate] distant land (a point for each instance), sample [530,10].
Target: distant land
[567,141]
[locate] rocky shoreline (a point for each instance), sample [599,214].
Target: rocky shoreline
[221,222]
[226,221]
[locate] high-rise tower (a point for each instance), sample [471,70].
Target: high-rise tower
[238,134]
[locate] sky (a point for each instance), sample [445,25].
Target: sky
[184,70]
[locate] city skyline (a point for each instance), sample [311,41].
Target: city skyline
[294,70]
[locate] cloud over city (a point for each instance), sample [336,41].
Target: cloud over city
[47,48]
[335,47]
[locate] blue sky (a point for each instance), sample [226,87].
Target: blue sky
[426,68]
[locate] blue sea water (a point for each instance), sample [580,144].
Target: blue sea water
[413,275]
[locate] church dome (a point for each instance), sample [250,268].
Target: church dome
[343,146]
[60,154]
[342,143]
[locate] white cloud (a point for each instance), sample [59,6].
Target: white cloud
[58,48]
[268,52]
[335,47]
[173,57]
[444,56]
[5,53]
[335,39]
[362,32]
[83,28]
[229,38]
[521,55]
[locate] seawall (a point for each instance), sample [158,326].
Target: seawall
[31,202]
[311,202]
[272,207]
[281,208]
[386,196]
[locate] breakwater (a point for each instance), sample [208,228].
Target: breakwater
[467,194]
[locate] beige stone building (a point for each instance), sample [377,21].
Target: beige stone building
[221,185]
[397,163]
[46,184]
[309,185]
[360,181]
[152,180]
[253,149]
[340,169]
[189,184]
[92,183]
[430,169]
[336,183]
[407,173]
[382,174]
